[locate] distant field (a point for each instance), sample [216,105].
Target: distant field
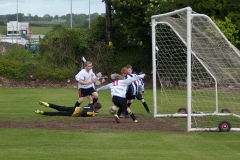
[41,30]
[35,30]
[3,29]
[49,23]
[47,26]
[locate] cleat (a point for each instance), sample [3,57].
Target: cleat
[124,116]
[149,112]
[39,112]
[135,121]
[44,103]
[117,118]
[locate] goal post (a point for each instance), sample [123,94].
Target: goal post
[196,72]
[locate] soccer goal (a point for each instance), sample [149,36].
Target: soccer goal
[196,72]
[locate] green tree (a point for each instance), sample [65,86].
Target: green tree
[47,17]
[132,18]
[225,12]
[98,29]
[56,16]
[130,34]
[64,45]
[13,17]
[229,29]
[35,18]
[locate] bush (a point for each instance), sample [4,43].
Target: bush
[14,69]
[41,72]
[64,45]
[20,64]
[18,54]
[16,64]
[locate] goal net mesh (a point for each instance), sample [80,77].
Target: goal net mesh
[215,71]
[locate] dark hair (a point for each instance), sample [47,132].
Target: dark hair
[97,105]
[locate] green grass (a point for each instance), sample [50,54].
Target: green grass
[170,100]
[49,23]
[40,30]
[39,144]
[3,30]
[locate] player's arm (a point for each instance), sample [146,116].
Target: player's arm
[141,86]
[84,82]
[106,87]
[94,76]
[132,79]
[77,76]
[90,113]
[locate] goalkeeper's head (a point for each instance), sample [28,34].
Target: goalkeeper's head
[97,106]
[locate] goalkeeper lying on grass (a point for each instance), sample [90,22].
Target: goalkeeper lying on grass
[85,111]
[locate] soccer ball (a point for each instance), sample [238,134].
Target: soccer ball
[113,109]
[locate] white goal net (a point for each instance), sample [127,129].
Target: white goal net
[196,72]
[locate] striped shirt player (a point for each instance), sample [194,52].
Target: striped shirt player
[118,93]
[86,79]
[135,90]
[75,111]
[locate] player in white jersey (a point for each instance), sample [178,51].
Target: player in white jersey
[90,98]
[86,79]
[118,93]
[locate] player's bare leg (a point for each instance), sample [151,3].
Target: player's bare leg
[145,106]
[95,97]
[90,99]
[132,115]
[125,114]
[78,103]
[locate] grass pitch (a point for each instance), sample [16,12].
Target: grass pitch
[19,104]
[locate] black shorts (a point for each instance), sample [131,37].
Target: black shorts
[120,102]
[129,95]
[139,96]
[82,92]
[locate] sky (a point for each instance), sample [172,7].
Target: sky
[52,7]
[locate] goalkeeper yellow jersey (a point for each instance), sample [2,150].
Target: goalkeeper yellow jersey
[85,111]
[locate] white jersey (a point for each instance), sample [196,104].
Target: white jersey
[119,87]
[85,76]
